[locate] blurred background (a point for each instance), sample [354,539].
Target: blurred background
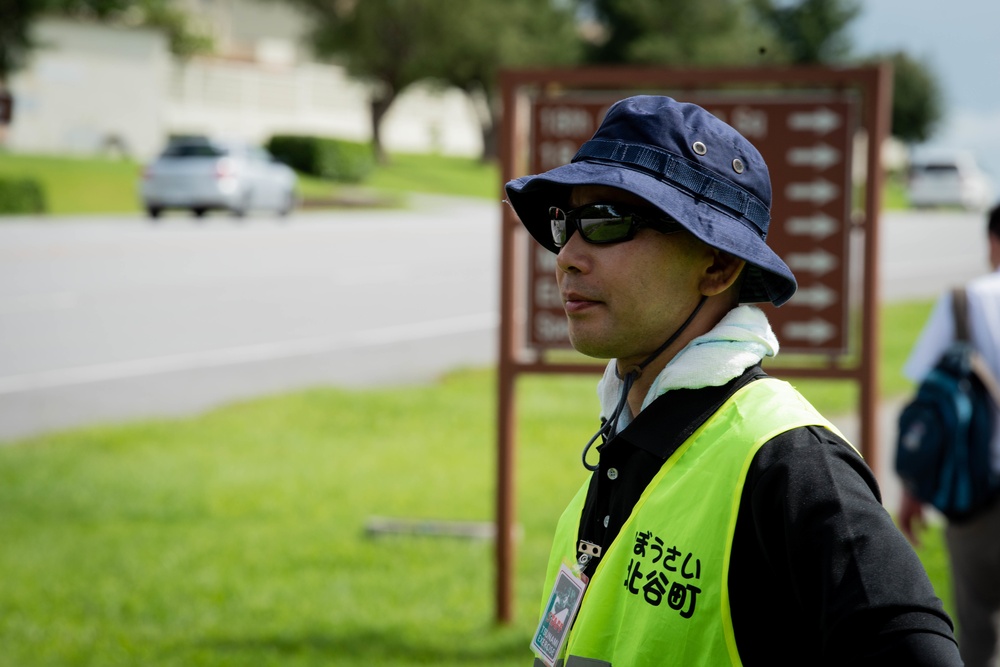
[249,281]
[117,77]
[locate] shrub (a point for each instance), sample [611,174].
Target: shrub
[21,195]
[333,159]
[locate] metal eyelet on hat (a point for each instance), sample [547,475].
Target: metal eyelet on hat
[738,165]
[699,148]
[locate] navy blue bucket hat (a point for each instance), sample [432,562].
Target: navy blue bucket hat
[683,161]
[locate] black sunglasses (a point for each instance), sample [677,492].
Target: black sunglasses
[605,223]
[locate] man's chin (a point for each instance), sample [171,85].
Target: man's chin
[587,346]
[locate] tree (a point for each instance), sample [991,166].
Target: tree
[916,99]
[16,18]
[812,31]
[184,40]
[677,32]
[380,41]
[395,43]
[724,32]
[479,37]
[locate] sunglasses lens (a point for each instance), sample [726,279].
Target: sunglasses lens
[604,224]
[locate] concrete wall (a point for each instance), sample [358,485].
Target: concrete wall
[90,87]
[253,102]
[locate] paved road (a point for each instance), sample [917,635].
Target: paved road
[920,252]
[107,319]
[118,318]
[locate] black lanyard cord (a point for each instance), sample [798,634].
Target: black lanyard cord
[610,426]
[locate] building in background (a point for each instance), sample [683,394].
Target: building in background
[93,89]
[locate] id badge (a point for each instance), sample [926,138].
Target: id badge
[560,612]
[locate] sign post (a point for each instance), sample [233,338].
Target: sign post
[6,112]
[6,106]
[806,123]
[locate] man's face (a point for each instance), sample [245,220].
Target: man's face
[623,300]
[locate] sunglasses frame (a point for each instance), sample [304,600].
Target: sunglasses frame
[564,227]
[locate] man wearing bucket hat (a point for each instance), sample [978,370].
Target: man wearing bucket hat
[724,521]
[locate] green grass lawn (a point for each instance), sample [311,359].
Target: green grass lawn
[894,195]
[109,185]
[238,537]
[79,185]
[439,175]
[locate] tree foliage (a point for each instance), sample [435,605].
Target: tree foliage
[185,41]
[917,100]
[748,32]
[380,41]
[393,44]
[18,16]
[811,31]
[678,32]
[721,32]
[484,36]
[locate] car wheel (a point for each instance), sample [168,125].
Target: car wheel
[199,212]
[287,205]
[240,210]
[154,211]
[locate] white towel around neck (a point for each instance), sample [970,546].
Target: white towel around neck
[741,339]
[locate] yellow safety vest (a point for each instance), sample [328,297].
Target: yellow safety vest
[659,596]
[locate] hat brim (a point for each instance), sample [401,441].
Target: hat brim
[767,277]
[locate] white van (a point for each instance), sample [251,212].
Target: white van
[950,179]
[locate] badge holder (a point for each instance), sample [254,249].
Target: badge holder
[563,605]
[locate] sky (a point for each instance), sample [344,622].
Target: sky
[958,40]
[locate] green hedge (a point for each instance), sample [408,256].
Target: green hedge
[21,195]
[333,159]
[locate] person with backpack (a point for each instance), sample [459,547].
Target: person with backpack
[973,540]
[721,520]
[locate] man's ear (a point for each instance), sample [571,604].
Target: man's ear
[722,273]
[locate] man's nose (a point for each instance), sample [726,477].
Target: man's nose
[575,255]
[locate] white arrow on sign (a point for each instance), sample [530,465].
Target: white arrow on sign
[815,331]
[814,296]
[818,226]
[821,120]
[820,156]
[819,192]
[817,262]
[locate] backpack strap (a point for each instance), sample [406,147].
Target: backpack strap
[980,368]
[960,311]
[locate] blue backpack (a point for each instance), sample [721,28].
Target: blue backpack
[943,448]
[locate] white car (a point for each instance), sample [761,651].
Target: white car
[950,180]
[201,174]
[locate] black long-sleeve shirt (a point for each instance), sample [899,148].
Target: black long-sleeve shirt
[819,574]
